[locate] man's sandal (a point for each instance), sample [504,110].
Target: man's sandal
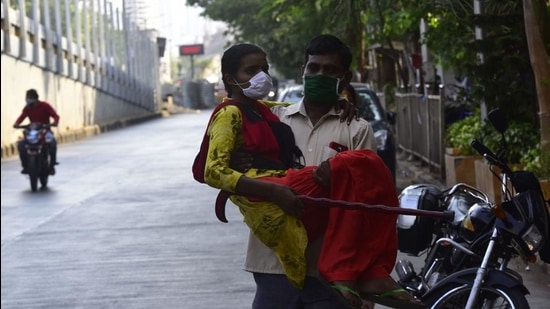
[342,288]
[388,300]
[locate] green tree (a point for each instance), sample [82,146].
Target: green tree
[505,77]
[283,28]
[390,23]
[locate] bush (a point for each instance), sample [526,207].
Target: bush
[461,133]
[537,162]
[519,137]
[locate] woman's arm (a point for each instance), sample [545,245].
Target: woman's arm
[224,131]
[281,195]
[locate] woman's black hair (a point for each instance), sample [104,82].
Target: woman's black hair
[329,44]
[231,60]
[32,94]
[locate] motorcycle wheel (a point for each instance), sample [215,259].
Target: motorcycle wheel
[32,167]
[44,178]
[44,173]
[456,295]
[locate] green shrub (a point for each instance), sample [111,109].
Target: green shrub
[520,140]
[519,137]
[537,162]
[461,133]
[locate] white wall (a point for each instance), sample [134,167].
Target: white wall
[78,105]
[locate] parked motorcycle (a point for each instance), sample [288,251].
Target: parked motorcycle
[466,262]
[36,138]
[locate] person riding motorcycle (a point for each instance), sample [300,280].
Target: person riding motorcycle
[38,112]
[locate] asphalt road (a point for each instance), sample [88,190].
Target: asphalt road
[124,225]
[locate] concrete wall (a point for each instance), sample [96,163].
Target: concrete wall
[83,110]
[93,87]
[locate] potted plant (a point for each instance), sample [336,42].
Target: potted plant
[459,155]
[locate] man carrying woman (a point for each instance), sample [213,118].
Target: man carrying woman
[359,248]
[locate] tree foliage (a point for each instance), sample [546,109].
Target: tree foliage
[283,28]
[504,78]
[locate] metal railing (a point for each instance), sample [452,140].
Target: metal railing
[87,41]
[420,128]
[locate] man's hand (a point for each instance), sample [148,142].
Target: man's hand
[348,110]
[241,161]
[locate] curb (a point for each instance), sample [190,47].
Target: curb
[88,131]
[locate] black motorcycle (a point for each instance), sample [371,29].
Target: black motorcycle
[35,139]
[466,262]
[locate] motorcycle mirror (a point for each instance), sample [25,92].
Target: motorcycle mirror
[498,120]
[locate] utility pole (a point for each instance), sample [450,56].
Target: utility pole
[478,10]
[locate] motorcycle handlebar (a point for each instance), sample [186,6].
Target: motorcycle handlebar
[482,150]
[47,126]
[489,155]
[448,215]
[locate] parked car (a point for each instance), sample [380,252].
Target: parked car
[372,110]
[382,122]
[291,94]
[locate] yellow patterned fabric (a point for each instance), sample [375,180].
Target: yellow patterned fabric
[284,234]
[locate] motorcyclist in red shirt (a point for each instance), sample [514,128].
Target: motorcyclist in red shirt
[38,112]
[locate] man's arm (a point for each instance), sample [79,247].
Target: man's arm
[54,115]
[364,138]
[20,118]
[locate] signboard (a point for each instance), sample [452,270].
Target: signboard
[195,49]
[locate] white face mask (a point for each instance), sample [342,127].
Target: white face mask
[260,86]
[29,101]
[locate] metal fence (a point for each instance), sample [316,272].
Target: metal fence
[420,128]
[87,41]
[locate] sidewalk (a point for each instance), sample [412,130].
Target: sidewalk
[410,170]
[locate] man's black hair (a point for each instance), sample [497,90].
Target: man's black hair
[231,60]
[32,94]
[329,44]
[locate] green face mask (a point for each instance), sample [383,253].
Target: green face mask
[321,89]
